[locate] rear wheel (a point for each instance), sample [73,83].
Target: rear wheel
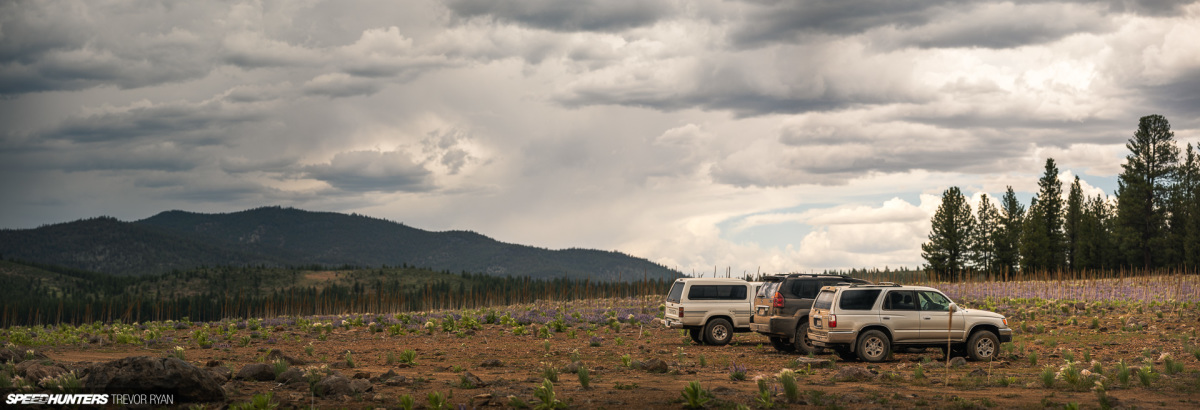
[782,344]
[697,335]
[983,346]
[874,346]
[800,340]
[718,332]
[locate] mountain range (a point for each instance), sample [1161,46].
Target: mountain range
[276,236]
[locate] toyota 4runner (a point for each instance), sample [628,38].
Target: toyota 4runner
[782,304]
[868,321]
[711,309]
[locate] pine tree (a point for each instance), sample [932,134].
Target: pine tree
[1043,242]
[948,249]
[1185,213]
[1012,218]
[1142,190]
[1071,223]
[987,232]
[1094,247]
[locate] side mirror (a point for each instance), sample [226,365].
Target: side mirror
[953,308]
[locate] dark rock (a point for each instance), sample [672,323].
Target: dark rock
[275,354]
[491,363]
[159,375]
[333,386]
[958,362]
[361,386]
[290,375]
[384,377]
[472,379]
[655,366]
[573,367]
[35,371]
[396,381]
[362,375]
[256,371]
[853,374]
[212,363]
[979,373]
[813,362]
[223,373]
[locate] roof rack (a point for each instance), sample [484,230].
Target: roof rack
[876,285]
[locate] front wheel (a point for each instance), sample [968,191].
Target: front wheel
[983,346]
[718,332]
[782,344]
[874,346]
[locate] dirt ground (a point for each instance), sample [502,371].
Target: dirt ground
[1014,381]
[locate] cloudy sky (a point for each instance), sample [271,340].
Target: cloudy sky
[774,135]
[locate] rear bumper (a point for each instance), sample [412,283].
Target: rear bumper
[672,323]
[831,338]
[774,326]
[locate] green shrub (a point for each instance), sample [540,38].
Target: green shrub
[695,396]
[546,397]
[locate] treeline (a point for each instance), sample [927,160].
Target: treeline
[47,294]
[1152,223]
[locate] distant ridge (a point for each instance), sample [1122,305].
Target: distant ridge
[278,236]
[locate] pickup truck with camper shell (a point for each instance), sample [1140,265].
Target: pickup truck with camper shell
[711,309]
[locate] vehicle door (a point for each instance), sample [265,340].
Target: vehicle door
[674,299]
[935,312]
[900,314]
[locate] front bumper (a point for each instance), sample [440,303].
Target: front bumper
[1005,335]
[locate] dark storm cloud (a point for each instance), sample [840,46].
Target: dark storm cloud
[183,123]
[373,171]
[787,21]
[1178,100]
[585,15]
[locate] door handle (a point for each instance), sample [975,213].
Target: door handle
[885,318]
[928,318]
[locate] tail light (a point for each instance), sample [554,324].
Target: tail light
[778,300]
[832,322]
[681,311]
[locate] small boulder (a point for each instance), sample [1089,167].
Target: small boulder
[361,386]
[853,374]
[160,375]
[290,375]
[275,354]
[573,367]
[472,379]
[256,371]
[362,375]
[655,366]
[384,377]
[981,373]
[333,386]
[958,362]
[223,373]
[34,370]
[491,363]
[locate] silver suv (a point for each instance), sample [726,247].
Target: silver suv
[868,321]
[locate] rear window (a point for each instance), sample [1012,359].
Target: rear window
[717,292]
[676,292]
[824,300]
[860,299]
[768,290]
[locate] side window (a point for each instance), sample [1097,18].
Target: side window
[809,288]
[717,292]
[900,300]
[858,299]
[676,292]
[934,301]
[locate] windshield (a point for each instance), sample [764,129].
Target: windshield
[824,300]
[676,292]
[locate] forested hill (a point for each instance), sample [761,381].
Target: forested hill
[277,236]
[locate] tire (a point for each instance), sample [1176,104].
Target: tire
[782,344]
[874,346]
[718,332]
[800,339]
[983,346]
[697,335]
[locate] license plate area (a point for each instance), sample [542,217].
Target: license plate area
[818,323]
